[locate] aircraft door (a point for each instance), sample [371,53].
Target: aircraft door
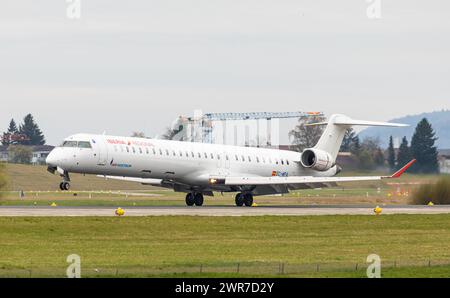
[101,150]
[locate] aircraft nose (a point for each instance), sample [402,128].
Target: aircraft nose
[52,159]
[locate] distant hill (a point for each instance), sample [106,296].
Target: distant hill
[439,120]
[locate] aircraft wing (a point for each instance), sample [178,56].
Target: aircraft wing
[298,181]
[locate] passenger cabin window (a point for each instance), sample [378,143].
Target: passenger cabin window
[140,150]
[237,158]
[212,156]
[128,149]
[134,150]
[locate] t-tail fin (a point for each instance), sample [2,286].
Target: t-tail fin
[337,125]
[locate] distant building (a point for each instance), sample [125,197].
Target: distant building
[39,155]
[3,153]
[444,161]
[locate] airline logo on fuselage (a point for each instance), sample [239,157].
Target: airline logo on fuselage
[129,143]
[280,174]
[119,165]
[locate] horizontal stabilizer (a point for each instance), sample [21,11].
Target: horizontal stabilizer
[344,120]
[351,122]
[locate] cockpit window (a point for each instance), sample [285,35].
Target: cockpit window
[84,145]
[69,144]
[75,144]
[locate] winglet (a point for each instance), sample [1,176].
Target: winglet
[402,170]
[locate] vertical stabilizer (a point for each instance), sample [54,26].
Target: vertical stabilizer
[334,133]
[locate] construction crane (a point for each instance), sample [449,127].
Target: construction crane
[189,128]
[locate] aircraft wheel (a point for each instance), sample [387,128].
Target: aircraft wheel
[239,200]
[248,199]
[190,199]
[198,198]
[66,185]
[61,186]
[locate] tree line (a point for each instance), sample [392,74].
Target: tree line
[27,133]
[368,154]
[19,138]
[422,148]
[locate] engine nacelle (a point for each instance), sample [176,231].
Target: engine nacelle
[316,159]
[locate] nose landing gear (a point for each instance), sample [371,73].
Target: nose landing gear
[65,185]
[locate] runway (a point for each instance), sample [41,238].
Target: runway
[10,211]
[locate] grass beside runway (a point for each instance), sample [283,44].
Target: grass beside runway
[222,246]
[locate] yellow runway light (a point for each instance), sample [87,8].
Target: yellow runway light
[120,212]
[377,210]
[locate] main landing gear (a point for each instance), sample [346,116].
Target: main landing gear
[194,198]
[244,199]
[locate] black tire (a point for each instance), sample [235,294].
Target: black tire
[198,198]
[190,199]
[66,185]
[61,186]
[239,200]
[248,199]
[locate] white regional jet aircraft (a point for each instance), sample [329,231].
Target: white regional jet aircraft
[199,169]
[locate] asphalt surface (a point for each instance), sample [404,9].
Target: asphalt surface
[220,210]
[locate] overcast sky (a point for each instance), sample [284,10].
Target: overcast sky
[137,65]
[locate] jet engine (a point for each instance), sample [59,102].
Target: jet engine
[316,159]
